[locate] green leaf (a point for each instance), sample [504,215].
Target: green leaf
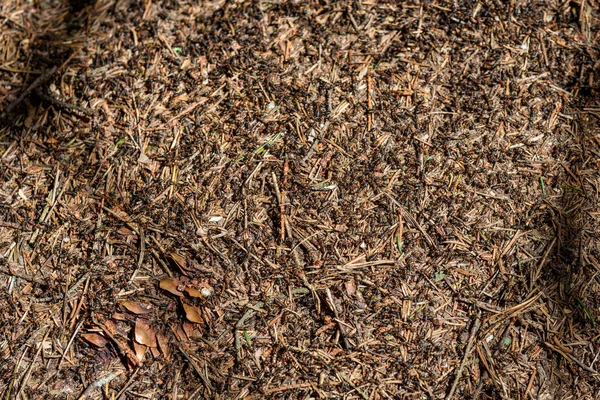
[247,338]
[439,276]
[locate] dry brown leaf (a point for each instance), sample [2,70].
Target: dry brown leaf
[124,231]
[170,285]
[179,260]
[137,307]
[140,351]
[144,333]
[192,313]
[190,330]
[110,326]
[95,339]
[155,352]
[163,342]
[179,333]
[350,287]
[121,316]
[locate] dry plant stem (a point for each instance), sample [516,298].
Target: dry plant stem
[572,359]
[98,383]
[62,358]
[13,377]
[315,143]
[62,104]
[341,326]
[196,368]
[282,224]
[288,387]
[369,102]
[142,245]
[127,385]
[28,372]
[464,362]
[80,303]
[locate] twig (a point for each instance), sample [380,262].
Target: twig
[333,308]
[28,373]
[64,354]
[463,364]
[142,245]
[62,104]
[98,383]
[127,385]
[196,368]
[286,168]
[571,358]
[81,300]
[287,387]
[315,143]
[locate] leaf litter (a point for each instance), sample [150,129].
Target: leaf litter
[319,200]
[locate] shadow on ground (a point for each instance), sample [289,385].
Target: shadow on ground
[56,38]
[570,269]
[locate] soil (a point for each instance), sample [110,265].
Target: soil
[299,199]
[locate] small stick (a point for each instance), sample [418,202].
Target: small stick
[369,103]
[62,104]
[81,300]
[337,319]
[28,373]
[315,143]
[399,232]
[127,385]
[97,384]
[64,354]
[142,245]
[196,368]
[571,358]
[463,364]
[286,168]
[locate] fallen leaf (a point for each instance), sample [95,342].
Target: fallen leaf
[179,260]
[190,330]
[192,313]
[110,326]
[121,316]
[140,351]
[350,287]
[144,333]
[124,231]
[95,339]
[163,343]
[155,352]
[170,285]
[137,307]
[179,333]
